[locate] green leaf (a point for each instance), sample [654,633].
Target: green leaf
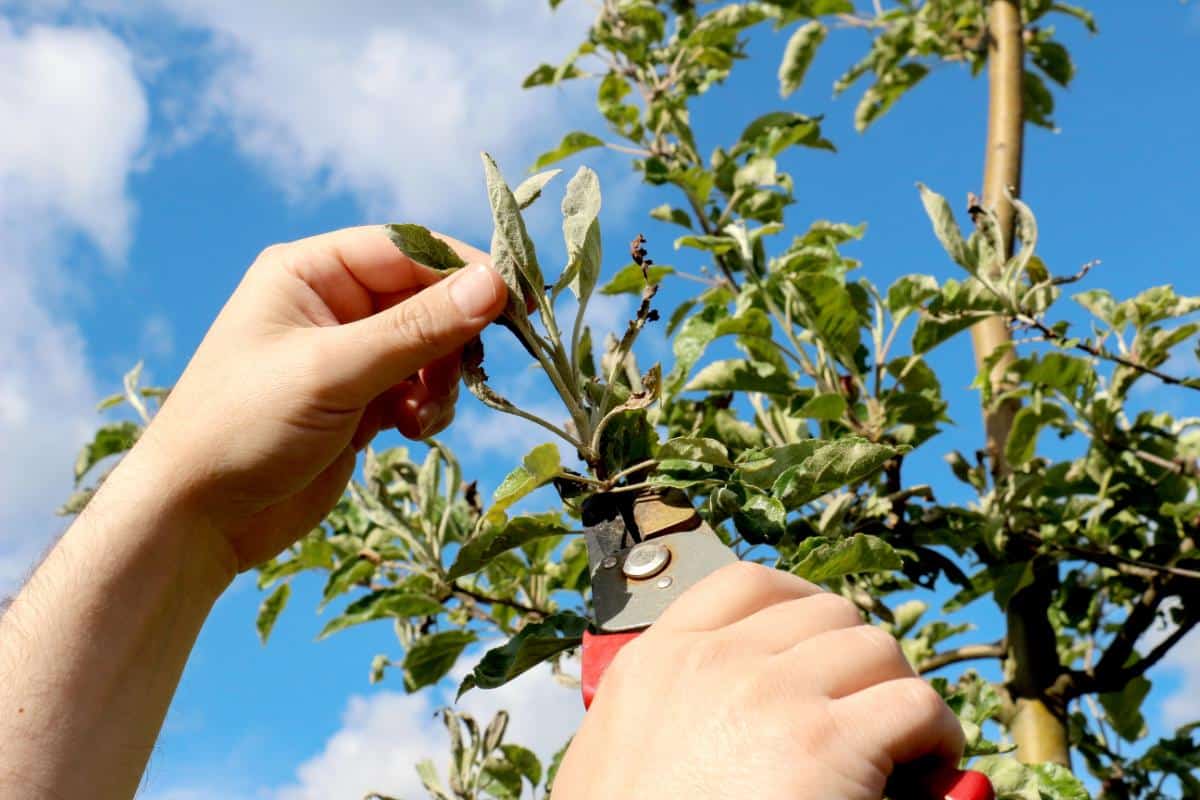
[1083,15]
[945,227]
[351,572]
[833,464]
[909,292]
[1013,780]
[109,440]
[423,247]
[572,143]
[429,658]
[581,232]
[549,75]
[1027,424]
[740,375]
[762,468]
[666,213]
[531,188]
[761,519]
[824,407]
[383,604]
[694,448]
[630,279]
[1123,709]
[538,468]
[821,559]
[513,254]
[525,761]
[798,55]
[713,244]
[268,610]
[887,90]
[532,645]
[701,329]
[485,545]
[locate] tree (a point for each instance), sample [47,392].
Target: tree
[795,448]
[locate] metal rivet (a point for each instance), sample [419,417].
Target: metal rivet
[664,582]
[646,560]
[609,562]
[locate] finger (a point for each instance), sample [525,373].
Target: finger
[441,375]
[903,720]
[780,627]
[418,414]
[379,415]
[849,660]
[367,254]
[732,593]
[350,267]
[384,349]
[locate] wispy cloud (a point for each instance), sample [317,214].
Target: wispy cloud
[56,184]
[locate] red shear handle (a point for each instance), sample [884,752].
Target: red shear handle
[599,649]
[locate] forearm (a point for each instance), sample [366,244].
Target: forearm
[91,650]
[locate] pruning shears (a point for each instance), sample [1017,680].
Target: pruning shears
[644,550]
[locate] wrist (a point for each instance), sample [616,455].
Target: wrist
[148,515]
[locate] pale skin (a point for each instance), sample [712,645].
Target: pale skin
[754,684]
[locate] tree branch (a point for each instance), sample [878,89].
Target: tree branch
[970,652]
[516,605]
[1102,353]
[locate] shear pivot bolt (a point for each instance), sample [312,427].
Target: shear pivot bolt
[646,560]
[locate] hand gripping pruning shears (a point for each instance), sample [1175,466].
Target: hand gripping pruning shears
[644,550]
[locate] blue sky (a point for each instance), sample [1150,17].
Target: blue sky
[151,150]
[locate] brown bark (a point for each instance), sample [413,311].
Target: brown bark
[1038,726]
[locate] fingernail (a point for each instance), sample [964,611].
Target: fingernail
[473,290]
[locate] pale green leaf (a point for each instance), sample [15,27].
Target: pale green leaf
[798,55]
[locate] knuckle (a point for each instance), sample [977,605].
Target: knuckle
[880,641]
[835,608]
[924,705]
[413,323]
[273,254]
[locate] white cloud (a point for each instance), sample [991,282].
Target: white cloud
[75,118]
[388,102]
[384,734]
[158,336]
[1182,705]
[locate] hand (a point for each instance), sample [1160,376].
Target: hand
[756,684]
[326,342]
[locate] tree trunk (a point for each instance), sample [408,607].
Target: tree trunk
[1039,730]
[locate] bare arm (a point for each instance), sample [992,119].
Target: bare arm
[317,351]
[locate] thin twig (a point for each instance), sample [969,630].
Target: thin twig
[970,652]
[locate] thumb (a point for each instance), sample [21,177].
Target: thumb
[384,349]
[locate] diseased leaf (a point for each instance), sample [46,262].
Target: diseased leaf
[491,542]
[821,559]
[531,188]
[268,610]
[512,253]
[694,448]
[581,232]
[383,604]
[740,375]
[832,465]
[945,227]
[798,55]
[429,658]
[533,644]
[572,143]
[422,246]
[761,519]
